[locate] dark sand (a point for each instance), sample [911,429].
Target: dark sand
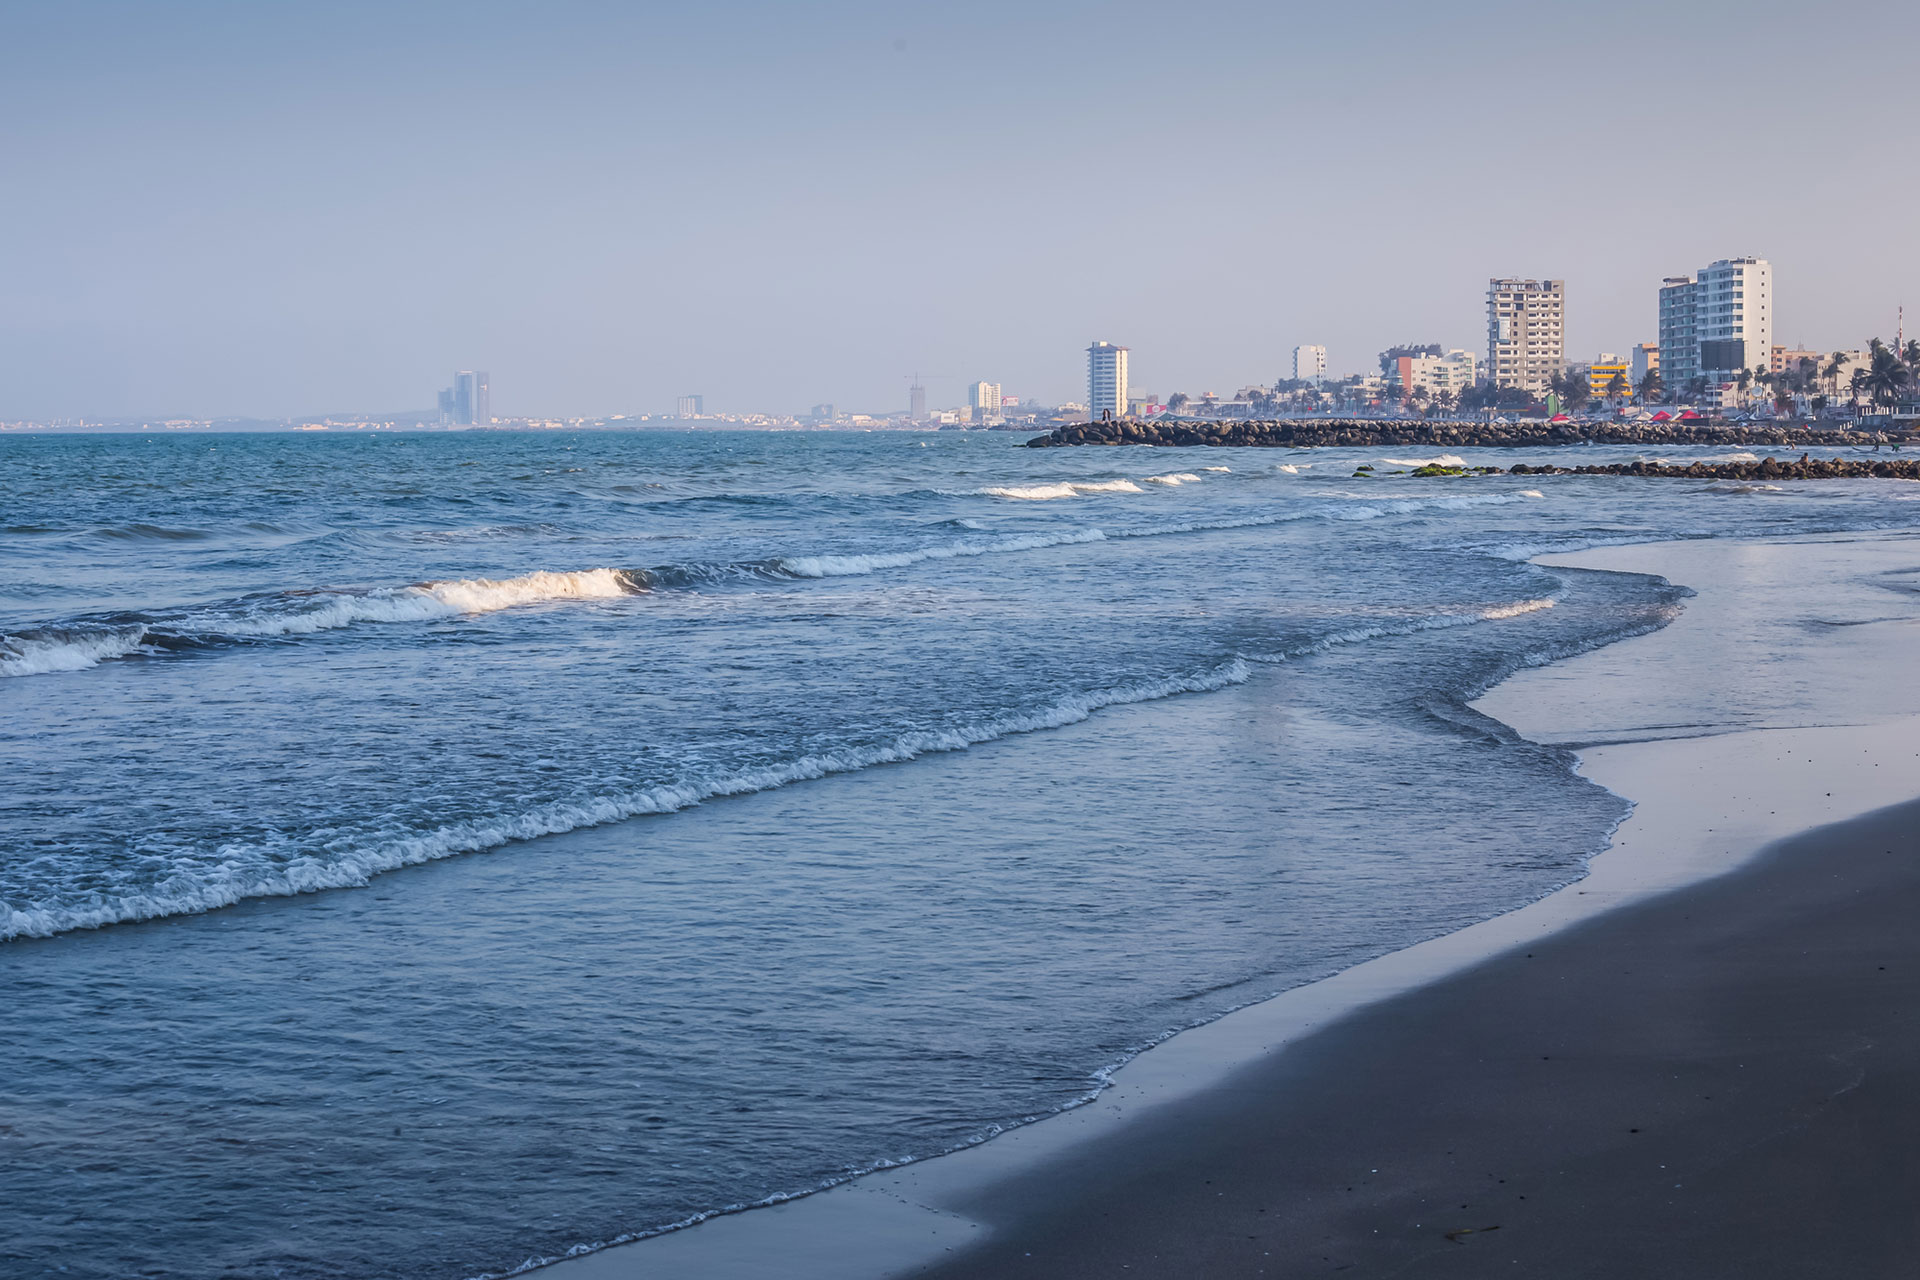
[1723,1082]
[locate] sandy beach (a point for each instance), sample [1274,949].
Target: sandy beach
[1691,1062]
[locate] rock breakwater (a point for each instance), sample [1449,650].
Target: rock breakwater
[1311,433]
[1805,468]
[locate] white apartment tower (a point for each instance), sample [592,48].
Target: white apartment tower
[1716,323]
[1106,381]
[984,399]
[1526,341]
[1310,365]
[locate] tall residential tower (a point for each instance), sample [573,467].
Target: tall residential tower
[1106,382]
[1526,340]
[1310,364]
[1716,323]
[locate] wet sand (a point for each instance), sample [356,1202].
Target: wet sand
[1722,1082]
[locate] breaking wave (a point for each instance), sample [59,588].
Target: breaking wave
[43,652]
[1062,489]
[236,872]
[1444,460]
[86,643]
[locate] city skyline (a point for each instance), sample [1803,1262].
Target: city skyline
[269,212]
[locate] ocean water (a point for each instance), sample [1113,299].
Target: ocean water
[423,855]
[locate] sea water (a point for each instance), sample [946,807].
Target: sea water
[426,854]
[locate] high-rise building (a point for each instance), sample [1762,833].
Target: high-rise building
[1526,338]
[984,399]
[690,406]
[1310,365]
[916,401]
[1716,323]
[1106,381]
[467,402]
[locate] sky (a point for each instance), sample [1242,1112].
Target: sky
[281,210]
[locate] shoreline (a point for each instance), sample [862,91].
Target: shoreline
[914,1216]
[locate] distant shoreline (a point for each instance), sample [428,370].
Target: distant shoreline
[1320,433]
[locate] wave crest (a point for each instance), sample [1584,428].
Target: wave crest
[53,649]
[1061,489]
[242,872]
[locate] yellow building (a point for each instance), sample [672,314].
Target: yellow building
[1600,374]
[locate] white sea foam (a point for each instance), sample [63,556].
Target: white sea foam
[1062,489]
[1444,460]
[46,652]
[1216,468]
[1515,609]
[1405,626]
[1175,478]
[244,871]
[325,610]
[853,565]
[76,648]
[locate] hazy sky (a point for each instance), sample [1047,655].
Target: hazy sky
[276,209]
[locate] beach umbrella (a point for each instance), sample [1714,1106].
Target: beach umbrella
[1663,416]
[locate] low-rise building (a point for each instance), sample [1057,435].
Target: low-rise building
[1646,360]
[1601,373]
[1432,371]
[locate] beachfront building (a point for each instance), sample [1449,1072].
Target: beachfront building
[1106,381]
[983,398]
[1646,360]
[1310,365]
[1787,359]
[1526,342]
[1716,323]
[916,401]
[1601,372]
[1429,370]
[690,407]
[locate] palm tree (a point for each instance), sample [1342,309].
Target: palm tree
[1618,388]
[1650,387]
[1886,375]
[1834,366]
